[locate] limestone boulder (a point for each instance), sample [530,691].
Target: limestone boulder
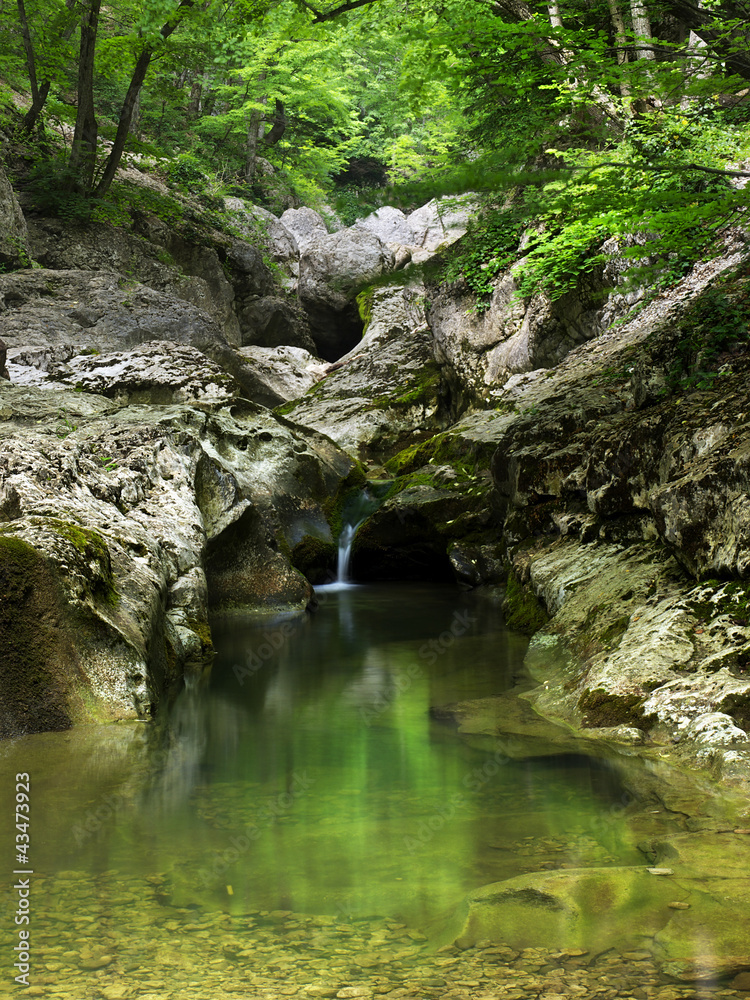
[512,335]
[14,237]
[390,225]
[306,226]
[273,321]
[155,372]
[120,525]
[69,312]
[628,909]
[441,221]
[289,372]
[387,389]
[259,226]
[333,270]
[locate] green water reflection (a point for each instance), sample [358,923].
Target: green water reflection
[308,775]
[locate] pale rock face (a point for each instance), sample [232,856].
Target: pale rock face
[390,225]
[257,222]
[387,387]
[156,372]
[305,225]
[14,236]
[333,269]
[288,371]
[133,520]
[512,335]
[441,222]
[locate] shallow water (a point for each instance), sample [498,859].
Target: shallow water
[304,780]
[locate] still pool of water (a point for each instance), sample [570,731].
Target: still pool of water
[305,783]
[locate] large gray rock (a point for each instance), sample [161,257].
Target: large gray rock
[305,225]
[512,334]
[156,256]
[333,270]
[155,372]
[121,525]
[390,225]
[14,238]
[441,221]
[387,389]
[75,311]
[259,226]
[272,321]
[289,372]
[49,317]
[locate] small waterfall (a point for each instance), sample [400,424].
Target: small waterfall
[345,551]
[354,514]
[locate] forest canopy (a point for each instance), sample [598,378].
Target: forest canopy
[598,119]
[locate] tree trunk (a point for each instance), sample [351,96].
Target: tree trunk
[279,125]
[644,48]
[194,101]
[123,126]
[38,93]
[28,48]
[83,154]
[254,135]
[130,107]
[621,42]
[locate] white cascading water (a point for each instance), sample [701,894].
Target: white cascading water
[357,513]
[345,551]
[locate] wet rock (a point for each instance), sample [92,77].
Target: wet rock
[594,908]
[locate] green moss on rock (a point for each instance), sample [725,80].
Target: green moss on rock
[522,610]
[604,709]
[38,660]
[93,548]
[315,557]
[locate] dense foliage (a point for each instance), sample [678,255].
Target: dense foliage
[596,120]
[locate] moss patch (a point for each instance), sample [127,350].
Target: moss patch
[464,456]
[92,548]
[315,557]
[37,668]
[602,708]
[349,487]
[522,610]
